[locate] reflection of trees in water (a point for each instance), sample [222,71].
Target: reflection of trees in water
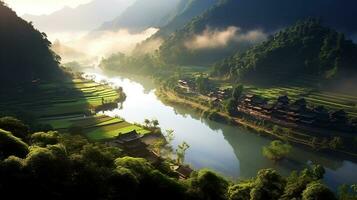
[248,148]
[147,83]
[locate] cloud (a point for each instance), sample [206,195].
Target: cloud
[99,44]
[148,46]
[212,39]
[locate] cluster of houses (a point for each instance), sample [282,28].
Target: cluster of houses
[218,95]
[187,84]
[297,112]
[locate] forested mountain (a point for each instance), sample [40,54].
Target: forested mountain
[305,48]
[142,15]
[84,17]
[24,52]
[250,16]
[183,13]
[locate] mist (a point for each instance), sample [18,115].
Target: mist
[88,48]
[212,39]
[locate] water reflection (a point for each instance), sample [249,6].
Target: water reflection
[232,151]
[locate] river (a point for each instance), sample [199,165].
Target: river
[231,151]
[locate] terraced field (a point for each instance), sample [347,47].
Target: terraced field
[68,105]
[49,99]
[96,128]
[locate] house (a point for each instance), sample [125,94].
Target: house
[183,171]
[130,137]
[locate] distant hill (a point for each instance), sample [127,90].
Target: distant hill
[84,17]
[252,15]
[142,15]
[24,52]
[305,49]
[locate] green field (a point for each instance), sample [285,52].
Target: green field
[67,105]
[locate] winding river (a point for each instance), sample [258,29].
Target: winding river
[232,151]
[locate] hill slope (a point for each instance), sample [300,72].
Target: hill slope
[251,15]
[183,13]
[24,51]
[305,48]
[142,15]
[84,17]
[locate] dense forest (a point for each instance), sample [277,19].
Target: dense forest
[49,165]
[304,48]
[25,53]
[266,16]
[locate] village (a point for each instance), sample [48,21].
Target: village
[283,111]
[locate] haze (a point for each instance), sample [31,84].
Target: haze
[40,7]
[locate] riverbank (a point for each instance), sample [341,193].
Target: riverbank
[294,136]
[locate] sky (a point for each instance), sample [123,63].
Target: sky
[39,7]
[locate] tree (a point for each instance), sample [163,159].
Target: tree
[231,107]
[237,92]
[11,145]
[317,191]
[267,185]
[181,152]
[15,126]
[147,122]
[155,123]
[207,185]
[277,150]
[336,143]
[43,139]
[346,192]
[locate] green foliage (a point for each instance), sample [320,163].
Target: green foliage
[317,191]
[15,126]
[238,92]
[11,145]
[66,166]
[207,185]
[231,106]
[336,143]
[43,139]
[181,152]
[268,185]
[240,191]
[202,84]
[277,150]
[346,192]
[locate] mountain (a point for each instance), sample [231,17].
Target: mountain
[142,15]
[249,17]
[24,52]
[82,18]
[183,13]
[305,49]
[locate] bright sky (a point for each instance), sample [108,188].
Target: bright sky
[38,7]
